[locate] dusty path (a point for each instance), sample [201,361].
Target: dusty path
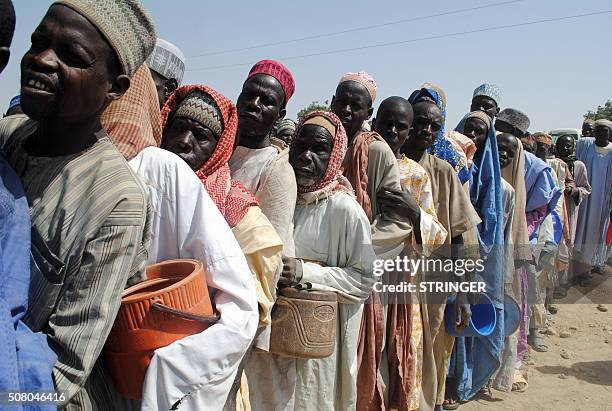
[582,382]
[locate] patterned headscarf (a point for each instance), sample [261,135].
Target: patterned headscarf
[441,148]
[230,196]
[133,122]
[333,179]
[363,78]
[543,138]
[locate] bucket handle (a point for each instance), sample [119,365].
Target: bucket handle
[209,319]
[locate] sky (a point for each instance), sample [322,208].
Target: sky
[553,71]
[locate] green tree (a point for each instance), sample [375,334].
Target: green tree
[602,112]
[315,105]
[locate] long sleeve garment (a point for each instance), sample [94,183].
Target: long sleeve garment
[594,214]
[27,362]
[88,213]
[197,370]
[336,232]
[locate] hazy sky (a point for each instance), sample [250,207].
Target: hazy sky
[553,71]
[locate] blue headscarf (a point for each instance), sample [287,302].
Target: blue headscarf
[441,148]
[476,359]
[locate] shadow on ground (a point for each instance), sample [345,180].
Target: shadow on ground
[593,372]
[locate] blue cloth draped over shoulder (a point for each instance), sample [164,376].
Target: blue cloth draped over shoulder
[442,148]
[27,362]
[542,190]
[476,359]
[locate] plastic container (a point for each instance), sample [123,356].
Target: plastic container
[304,324]
[482,322]
[512,315]
[172,303]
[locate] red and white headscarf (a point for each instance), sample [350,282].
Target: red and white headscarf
[333,180]
[230,196]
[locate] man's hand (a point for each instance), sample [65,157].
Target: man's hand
[400,203]
[287,277]
[464,313]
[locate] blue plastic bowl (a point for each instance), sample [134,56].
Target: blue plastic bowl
[512,315]
[482,322]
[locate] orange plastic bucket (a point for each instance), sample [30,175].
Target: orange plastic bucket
[172,303]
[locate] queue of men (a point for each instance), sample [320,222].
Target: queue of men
[109,164]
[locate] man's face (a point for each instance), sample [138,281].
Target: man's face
[190,140]
[542,150]
[602,135]
[310,153]
[507,146]
[393,122]
[587,130]
[285,134]
[352,103]
[259,105]
[529,144]
[425,127]
[485,104]
[165,87]
[67,73]
[476,130]
[564,146]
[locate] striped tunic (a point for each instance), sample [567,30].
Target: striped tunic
[89,235]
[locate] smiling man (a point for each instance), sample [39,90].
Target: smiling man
[87,208]
[261,166]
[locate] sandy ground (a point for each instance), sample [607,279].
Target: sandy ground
[582,382]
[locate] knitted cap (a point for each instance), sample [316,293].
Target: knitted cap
[201,107]
[284,124]
[363,78]
[278,71]
[604,122]
[489,90]
[515,118]
[125,24]
[167,60]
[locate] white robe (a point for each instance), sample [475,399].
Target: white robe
[198,370]
[335,231]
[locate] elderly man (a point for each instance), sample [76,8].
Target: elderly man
[371,168]
[487,98]
[167,65]
[87,208]
[594,214]
[260,165]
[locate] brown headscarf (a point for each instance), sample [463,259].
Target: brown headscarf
[134,121]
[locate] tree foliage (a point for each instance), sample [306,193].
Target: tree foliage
[315,105]
[602,112]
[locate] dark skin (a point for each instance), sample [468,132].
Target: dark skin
[587,129]
[352,103]
[260,105]
[486,105]
[393,122]
[164,86]
[529,143]
[309,158]
[507,146]
[190,140]
[425,128]
[69,76]
[542,151]
[476,130]
[603,135]
[564,148]
[285,135]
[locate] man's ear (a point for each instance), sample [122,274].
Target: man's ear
[373,123]
[370,112]
[497,111]
[281,114]
[332,101]
[119,87]
[5,54]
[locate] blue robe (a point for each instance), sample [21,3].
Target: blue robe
[27,361]
[476,359]
[594,213]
